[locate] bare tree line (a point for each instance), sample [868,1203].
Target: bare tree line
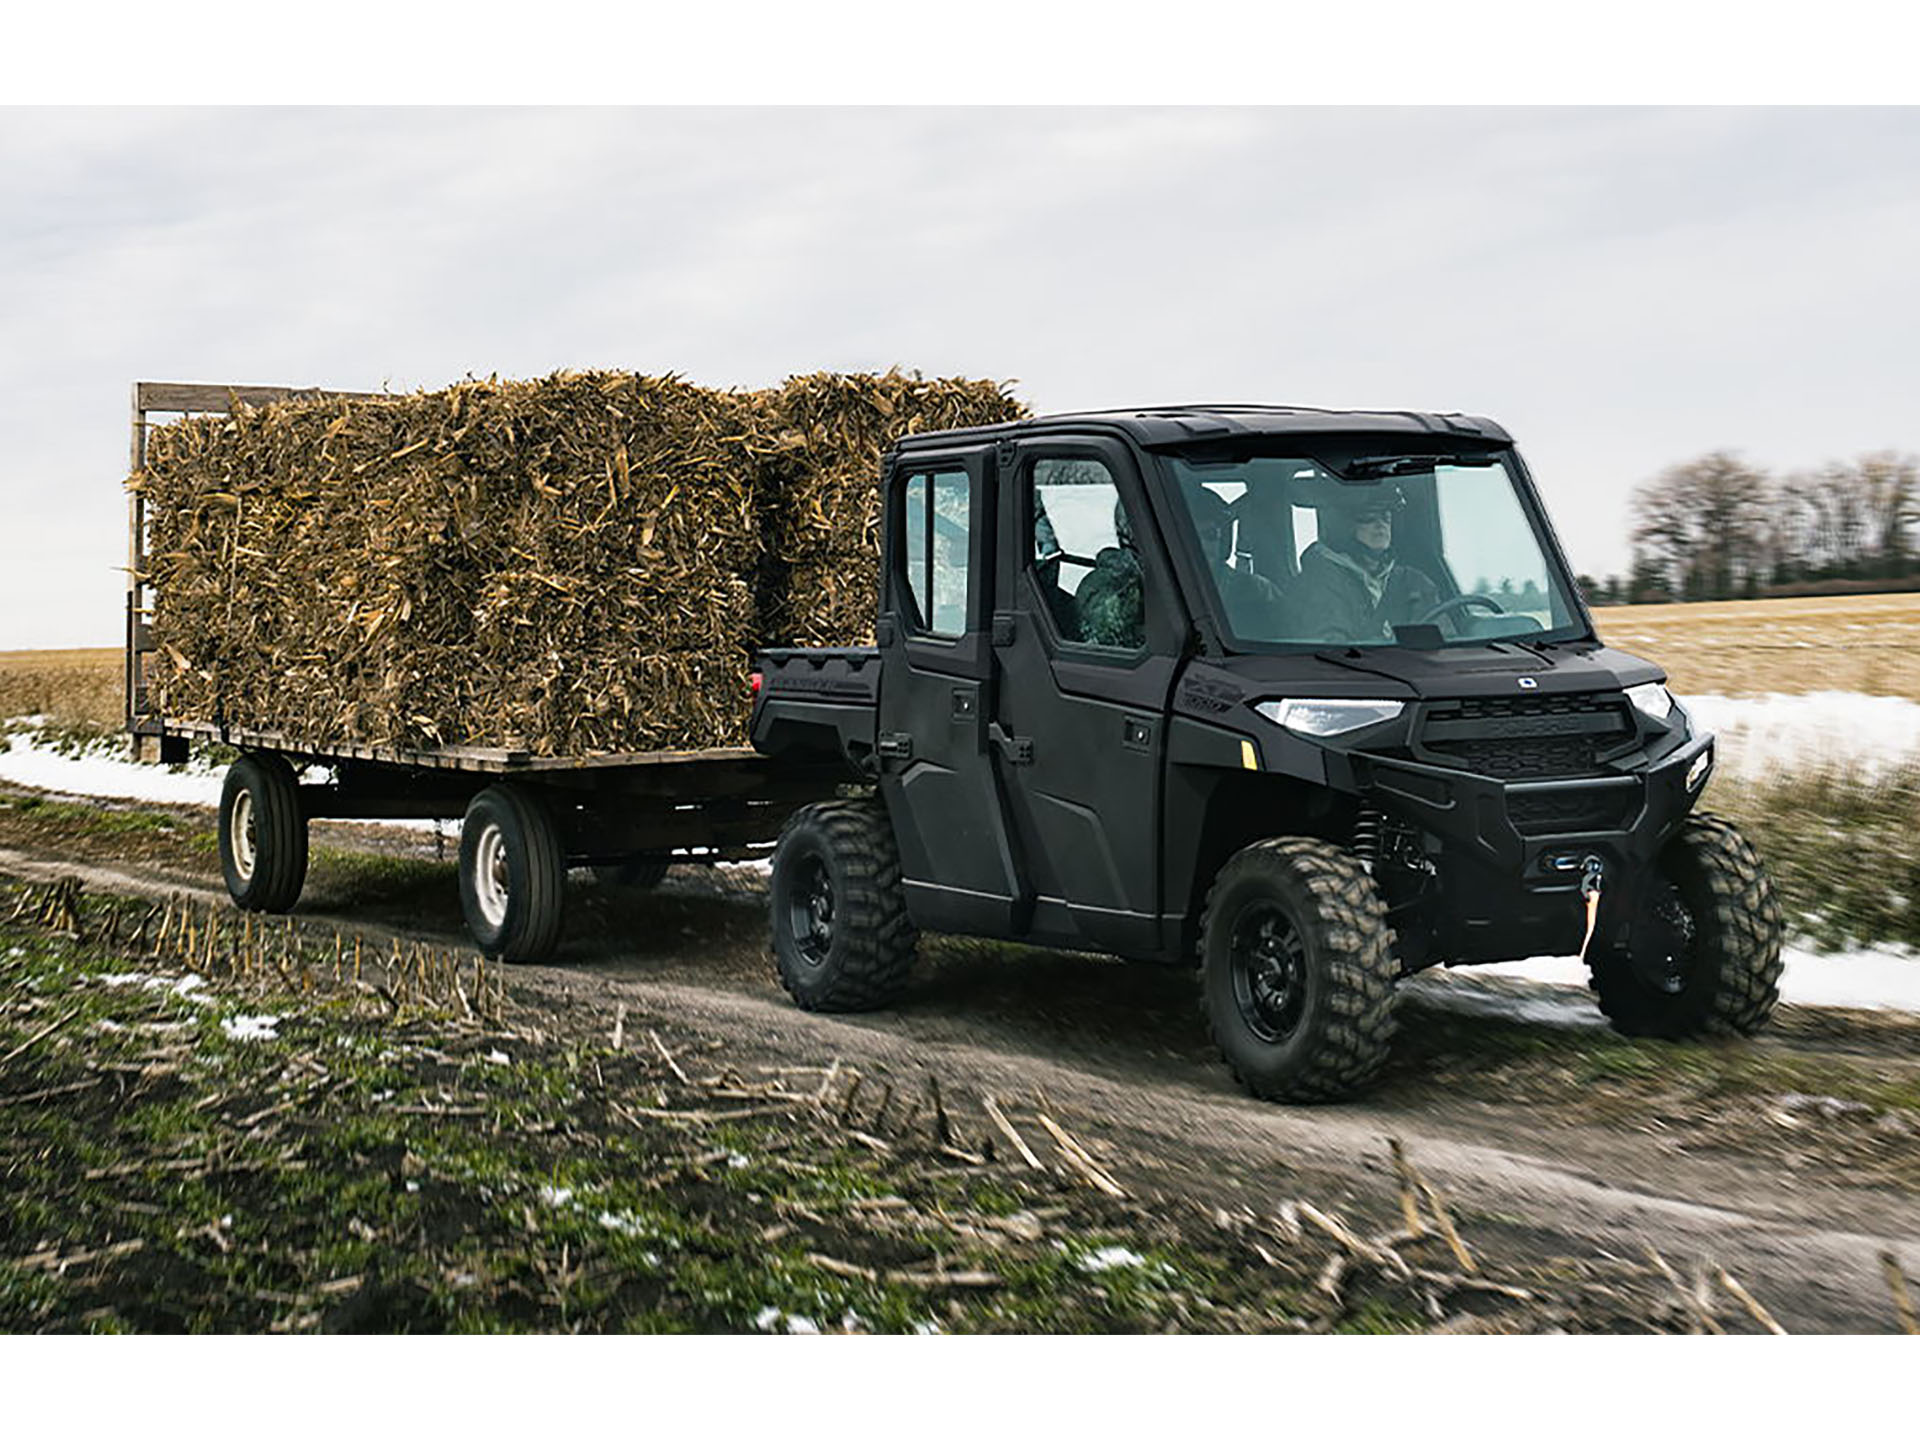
[1719,528]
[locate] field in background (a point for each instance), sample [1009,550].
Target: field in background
[74,689]
[1868,643]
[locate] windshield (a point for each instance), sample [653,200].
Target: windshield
[1406,550]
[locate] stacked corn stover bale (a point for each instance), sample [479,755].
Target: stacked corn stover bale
[821,487]
[567,566]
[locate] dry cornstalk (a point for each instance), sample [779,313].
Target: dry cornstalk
[1409,1202]
[1080,1159]
[619,1029]
[667,1055]
[1754,1308]
[1005,1127]
[1372,1254]
[1897,1283]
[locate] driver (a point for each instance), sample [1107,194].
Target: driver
[1351,588]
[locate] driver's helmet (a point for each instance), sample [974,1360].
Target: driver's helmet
[1351,503]
[1342,509]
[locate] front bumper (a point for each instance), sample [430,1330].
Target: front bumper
[1510,853]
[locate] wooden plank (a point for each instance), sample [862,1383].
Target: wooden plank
[172,397]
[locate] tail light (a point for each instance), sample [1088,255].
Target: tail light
[758,680]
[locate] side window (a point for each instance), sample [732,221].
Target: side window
[1084,559]
[938,518]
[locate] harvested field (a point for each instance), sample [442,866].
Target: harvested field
[75,689]
[573,565]
[1865,643]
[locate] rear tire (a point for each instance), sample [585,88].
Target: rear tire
[1713,916]
[263,834]
[1298,970]
[512,875]
[841,937]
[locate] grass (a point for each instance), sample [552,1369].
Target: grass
[411,1150]
[1843,849]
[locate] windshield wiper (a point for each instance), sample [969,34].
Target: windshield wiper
[1380,467]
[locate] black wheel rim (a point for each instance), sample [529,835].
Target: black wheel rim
[1664,941]
[1269,964]
[810,910]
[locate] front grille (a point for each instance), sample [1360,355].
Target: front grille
[1569,812]
[1526,737]
[1538,758]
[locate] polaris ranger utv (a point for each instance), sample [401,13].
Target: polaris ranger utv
[1307,697]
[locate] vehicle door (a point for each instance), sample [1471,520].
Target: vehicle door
[1087,640]
[933,632]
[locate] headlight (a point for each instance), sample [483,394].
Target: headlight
[1651,700]
[1698,771]
[1328,717]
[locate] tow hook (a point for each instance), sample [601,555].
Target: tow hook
[1592,873]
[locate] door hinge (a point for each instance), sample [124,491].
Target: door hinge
[896,745]
[1003,629]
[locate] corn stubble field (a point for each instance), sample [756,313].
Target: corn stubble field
[306,1137]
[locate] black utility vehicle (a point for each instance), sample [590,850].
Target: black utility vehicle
[1308,696]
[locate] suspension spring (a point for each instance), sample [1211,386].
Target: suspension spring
[1366,836]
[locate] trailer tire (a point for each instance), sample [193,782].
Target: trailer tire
[841,936]
[512,874]
[1725,980]
[263,833]
[1298,970]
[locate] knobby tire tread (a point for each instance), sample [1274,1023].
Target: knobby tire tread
[1355,1037]
[875,943]
[1741,926]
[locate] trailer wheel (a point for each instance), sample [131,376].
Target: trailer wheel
[512,874]
[1297,971]
[841,936]
[1705,953]
[637,874]
[263,834]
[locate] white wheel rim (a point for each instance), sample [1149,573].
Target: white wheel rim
[490,875]
[240,833]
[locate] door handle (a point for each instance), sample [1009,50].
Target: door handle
[1017,749]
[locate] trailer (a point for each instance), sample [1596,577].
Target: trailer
[526,819]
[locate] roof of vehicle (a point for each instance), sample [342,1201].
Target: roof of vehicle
[1164,425]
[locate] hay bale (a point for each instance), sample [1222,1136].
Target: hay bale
[580,564]
[820,487]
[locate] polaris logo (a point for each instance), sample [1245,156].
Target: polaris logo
[1527,682]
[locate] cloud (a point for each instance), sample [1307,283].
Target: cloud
[1623,287]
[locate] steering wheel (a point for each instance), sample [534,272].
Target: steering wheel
[1460,602]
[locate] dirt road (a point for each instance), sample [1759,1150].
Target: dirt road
[1792,1161]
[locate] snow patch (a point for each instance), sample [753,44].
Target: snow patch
[1112,1257]
[1766,734]
[1880,978]
[251,1027]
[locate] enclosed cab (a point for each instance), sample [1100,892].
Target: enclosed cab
[1307,698]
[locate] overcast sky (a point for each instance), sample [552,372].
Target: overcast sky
[1622,288]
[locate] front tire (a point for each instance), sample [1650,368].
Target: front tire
[1708,932]
[841,936]
[512,875]
[263,834]
[1298,971]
